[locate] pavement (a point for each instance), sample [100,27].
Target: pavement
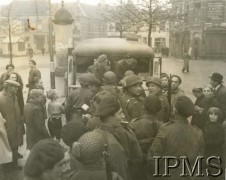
[200,70]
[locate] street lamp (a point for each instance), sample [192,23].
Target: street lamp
[52,66]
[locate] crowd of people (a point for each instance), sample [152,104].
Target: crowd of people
[114,126]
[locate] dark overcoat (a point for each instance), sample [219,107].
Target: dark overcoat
[35,116]
[11,113]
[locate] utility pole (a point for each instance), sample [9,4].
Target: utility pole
[52,65]
[9,31]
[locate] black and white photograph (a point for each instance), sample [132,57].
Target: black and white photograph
[112,89]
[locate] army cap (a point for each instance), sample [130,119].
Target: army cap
[155,80]
[132,80]
[11,82]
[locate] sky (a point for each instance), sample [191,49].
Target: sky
[93,2]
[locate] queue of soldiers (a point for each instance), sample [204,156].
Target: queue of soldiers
[112,131]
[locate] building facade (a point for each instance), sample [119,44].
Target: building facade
[201,27]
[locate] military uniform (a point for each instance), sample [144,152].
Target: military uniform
[163,114]
[145,128]
[75,101]
[127,139]
[132,107]
[177,138]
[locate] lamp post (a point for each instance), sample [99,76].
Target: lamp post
[52,65]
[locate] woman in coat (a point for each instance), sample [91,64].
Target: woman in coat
[35,117]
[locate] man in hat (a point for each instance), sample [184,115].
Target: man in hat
[216,81]
[79,99]
[154,86]
[178,138]
[130,99]
[14,125]
[46,161]
[9,70]
[99,67]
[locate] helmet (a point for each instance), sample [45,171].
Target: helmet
[85,78]
[90,147]
[155,80]
[94,81]
[131,80]
[109,77]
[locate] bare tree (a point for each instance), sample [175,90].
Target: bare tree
[9,29]
[121,18]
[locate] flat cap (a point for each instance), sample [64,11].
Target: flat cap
[11,82]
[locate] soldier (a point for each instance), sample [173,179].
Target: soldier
[123,65]
[110,83]
[219,91]
[178,138]
[146,127]
[78,98]
[111,116]
[89,150]
[99,67]
[130,99]
[34,73]
[175,91]
[46,161]
[154,85]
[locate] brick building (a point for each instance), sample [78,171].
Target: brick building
[201,26]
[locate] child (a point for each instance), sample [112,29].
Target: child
[55,110]
[214,134]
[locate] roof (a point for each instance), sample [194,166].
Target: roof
[14,39]
[63,16]
[27,8]
[111,46]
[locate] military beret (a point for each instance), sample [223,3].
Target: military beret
[11,82]
[152,104]
[72,131]
[108,106]
[43,156]
[185,106]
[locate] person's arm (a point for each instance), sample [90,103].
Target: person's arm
[39,122]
